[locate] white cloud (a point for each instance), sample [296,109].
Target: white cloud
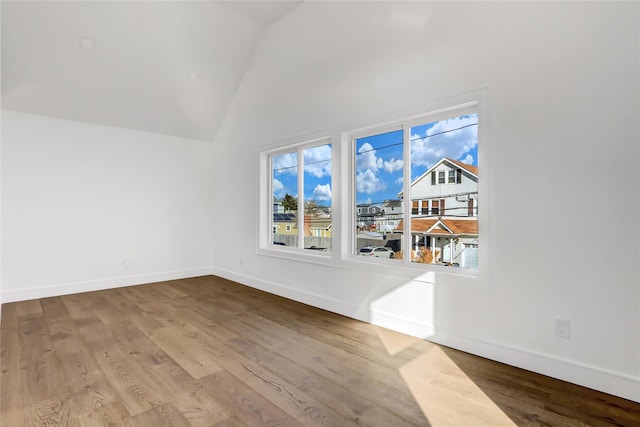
[367,159]
[393,165]
[277,187]
[367,182]
[322,192]
[315,161]
[286,163]
[428,149]
[468,160]
[400,180]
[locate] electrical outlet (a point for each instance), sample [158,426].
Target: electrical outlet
[563,328]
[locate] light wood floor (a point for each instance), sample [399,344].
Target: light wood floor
[209,352]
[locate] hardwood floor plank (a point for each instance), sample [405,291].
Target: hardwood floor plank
[161,416]
[11,400]
[42,377]
[210,352]
[25,308]
[301,406]
[138,391]
[112,415]
[53,308]
[247,405]
[192,401]
[377,383]
[354,407]
[52,412]
[190,355]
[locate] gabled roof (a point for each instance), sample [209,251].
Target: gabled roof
[468,227]
[472,170]
[469,168]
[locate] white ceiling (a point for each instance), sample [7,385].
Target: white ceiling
[158,66]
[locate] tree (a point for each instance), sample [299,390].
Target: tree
[310,207]
[289,203]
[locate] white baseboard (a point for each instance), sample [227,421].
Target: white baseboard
[101,284]
[614,383]
[607,381]
[402,324]
[314,300]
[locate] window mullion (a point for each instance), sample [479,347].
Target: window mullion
[300,218]
[406,190]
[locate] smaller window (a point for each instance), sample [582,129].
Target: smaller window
[452,176]
[435,206]
[288,227]
[441,177]
[275,229]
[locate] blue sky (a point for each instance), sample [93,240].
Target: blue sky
[317,174]
[379,162]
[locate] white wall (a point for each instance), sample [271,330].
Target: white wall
[78,199]
[562,82]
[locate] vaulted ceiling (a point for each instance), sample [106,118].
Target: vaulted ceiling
[169,67]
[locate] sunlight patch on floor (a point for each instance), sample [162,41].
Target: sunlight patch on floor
[395,342]
[447,396]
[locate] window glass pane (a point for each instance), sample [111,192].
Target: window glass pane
[317,198]
[284,182]
[447,234]
[379,176]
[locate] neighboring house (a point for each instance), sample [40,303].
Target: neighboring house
[392,215]
[277,205]
[285,223]
[317,225]
[444,214]
[367,217]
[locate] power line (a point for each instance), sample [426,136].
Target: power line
[417,138]
[383,147]
[305,163]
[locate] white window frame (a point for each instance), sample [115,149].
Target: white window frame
[265,217]
[470,103]
[344,210]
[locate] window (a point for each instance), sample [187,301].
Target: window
[409,162]
[300,182]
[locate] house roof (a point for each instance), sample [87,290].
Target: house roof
[433,226]
[468,168]
[473,170]
[284,217]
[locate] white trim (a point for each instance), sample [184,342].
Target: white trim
[315,300]
[101,284]
[604,380]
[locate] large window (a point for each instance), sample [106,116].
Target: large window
[404,194]
[300,187]
[429,168]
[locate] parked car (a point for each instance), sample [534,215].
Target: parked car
[377,251]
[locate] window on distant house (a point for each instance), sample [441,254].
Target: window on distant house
[409,161]
[300,183]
